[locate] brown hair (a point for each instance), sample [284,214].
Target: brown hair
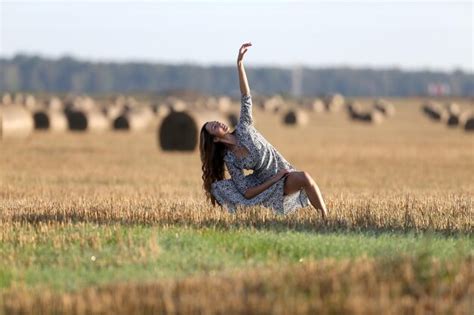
[212,158]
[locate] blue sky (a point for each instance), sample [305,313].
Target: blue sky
[406,34]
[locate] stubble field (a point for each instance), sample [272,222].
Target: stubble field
[109,224]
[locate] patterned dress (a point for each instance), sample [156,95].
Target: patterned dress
[265,161]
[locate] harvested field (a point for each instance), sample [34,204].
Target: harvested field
[110,223]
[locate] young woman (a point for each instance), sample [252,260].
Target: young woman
[274,183]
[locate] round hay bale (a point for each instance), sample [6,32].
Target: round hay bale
[113,111]
[469,124]
[162,110]
[50,120]
[80,103]
[224,104]
[354,108]
[453,108]
[273,104]
[87,120]
[135,119]
[55,104]
[213,102]
[178,106]
[19,99]
[316,105]
[334,102]
[7,99]
[464,116]
[130,103]
[296,117]
[435,111]
[179,131]
[233,119]
[30,102]
[384,107]
[374,117]
[453,120]
[15,122]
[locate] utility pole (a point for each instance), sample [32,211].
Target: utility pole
[297,81]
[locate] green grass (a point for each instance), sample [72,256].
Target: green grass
[74,256]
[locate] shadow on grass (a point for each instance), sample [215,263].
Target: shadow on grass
[276,224]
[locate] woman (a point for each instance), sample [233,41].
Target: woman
[274,183]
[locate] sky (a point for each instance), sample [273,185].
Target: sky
[410,35]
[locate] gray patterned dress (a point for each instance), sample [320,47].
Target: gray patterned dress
[265,161]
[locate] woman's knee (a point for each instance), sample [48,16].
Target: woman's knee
[307,180]
[293,182]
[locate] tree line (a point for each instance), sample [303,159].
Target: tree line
[38,74]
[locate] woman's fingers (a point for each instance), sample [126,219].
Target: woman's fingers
[245,46]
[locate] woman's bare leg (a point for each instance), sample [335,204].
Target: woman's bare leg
[297,180]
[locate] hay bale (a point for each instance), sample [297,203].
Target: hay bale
[469,124]
[316,105]
[453,108]
[224,104]
[50,120]
[162,110]
[19,99]
[30,102]
[384,107]
[136,119]
[334,102]
[296,117]
[55,104]
[178,106]
[180,130]
[435,111]
[453,120]
[80,103]
[15,122]
[464,116]
[7,99]
[87,120]
[130,103]
[113,111]
[273,104]
[373,117]
[354,109]
[233,119]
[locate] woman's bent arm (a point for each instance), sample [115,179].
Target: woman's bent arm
[254,191]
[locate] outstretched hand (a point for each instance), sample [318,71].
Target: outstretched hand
[243,49]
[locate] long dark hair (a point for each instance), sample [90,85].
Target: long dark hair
[212,158]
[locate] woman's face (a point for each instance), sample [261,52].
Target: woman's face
[217,128]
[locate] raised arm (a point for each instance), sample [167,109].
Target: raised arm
[244,84]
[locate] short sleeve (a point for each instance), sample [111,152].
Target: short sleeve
[238,177]
[246,110]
